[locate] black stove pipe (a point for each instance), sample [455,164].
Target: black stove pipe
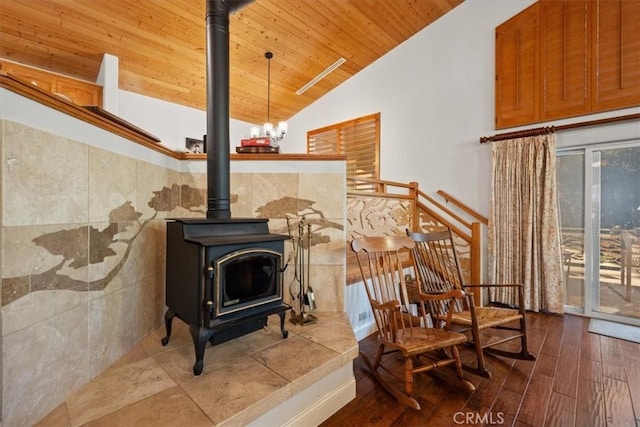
[218,173]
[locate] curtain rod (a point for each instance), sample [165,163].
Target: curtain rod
[550,129]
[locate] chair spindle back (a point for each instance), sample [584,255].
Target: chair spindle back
[380,262]
[437,264]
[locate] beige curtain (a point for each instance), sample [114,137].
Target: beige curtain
[524,231]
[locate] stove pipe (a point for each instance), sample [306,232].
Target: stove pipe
[218,175]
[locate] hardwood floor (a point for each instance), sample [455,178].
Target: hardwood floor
[578,379]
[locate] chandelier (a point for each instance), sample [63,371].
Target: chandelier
[275,135]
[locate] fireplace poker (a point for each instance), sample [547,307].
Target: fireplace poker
[300,275]
[308,296]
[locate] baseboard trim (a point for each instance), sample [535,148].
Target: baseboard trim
[318,401]
[365,330]
[326,406]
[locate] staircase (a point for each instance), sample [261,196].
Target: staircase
[377,208]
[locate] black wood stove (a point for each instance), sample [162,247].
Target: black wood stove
[223,275]
[224,278]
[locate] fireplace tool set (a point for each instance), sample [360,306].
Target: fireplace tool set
[299,288]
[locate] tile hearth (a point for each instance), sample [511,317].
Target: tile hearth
[243,379]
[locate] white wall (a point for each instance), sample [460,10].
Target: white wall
[108,77]
[172,123]
[19,109]
[435,96]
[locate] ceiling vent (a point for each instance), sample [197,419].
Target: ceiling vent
[321,76]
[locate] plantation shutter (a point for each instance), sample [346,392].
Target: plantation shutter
[358,139]
[324,143]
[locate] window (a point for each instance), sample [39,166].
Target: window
[358,139]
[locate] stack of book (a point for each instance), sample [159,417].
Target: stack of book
[260,141]
[256,145]
[258,149]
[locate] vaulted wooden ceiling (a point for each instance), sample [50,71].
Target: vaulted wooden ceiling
[161,44]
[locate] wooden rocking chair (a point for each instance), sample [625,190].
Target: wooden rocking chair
[380,262]
[438,270]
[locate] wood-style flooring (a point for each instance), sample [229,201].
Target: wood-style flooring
[578,379]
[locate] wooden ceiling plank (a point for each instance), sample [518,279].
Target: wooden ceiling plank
[161,44]
[143,49]
[364,27]
[406,23]
[427,10]
[387,16]
[29,38]
[436,8]
[294,38]
[65,63]
[129,31]
[164,26]
[322,47]
[328,27]
[285,79]
[67,37]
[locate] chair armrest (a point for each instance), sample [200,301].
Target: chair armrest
[442,312]
[393,305]
[518,286]
[455,293]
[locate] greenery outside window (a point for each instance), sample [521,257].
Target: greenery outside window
[359,140]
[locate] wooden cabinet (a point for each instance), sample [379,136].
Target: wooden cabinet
[616,59]
[566,58]
[81,93]
[517,69]
[78,91]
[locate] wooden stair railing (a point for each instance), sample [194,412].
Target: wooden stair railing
[394,207]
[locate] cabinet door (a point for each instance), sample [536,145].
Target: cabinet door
[517,69]
[79,92]
[31,75]
[616,59]
[565,55]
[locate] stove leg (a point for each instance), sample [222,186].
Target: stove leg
[200,337]
[284,332]
[168,320]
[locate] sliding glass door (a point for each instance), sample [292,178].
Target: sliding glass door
[599,199]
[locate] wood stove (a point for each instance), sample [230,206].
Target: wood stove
[224,279]
[224,275]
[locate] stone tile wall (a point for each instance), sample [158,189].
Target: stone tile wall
[83,254]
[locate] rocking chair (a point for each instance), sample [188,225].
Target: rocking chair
[423,348]
[438,270]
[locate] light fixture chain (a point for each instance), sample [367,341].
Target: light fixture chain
[269,55]
[275,135]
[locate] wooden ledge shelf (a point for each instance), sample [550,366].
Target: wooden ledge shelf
[271,157]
